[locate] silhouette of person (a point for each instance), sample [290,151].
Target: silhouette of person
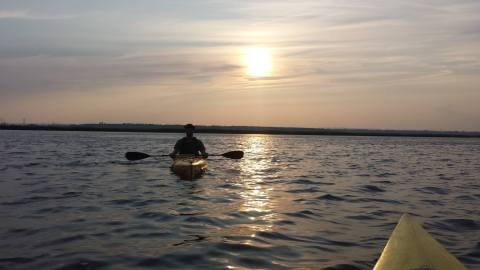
[189,145]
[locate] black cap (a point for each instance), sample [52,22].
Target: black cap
[189,126]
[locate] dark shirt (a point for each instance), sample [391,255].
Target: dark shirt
[189,146]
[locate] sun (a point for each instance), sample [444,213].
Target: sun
[258,61]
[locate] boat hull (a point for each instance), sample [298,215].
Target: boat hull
[188,167]
[410,247]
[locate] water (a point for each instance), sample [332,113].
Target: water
[69,200]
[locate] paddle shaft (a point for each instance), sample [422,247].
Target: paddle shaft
[140,155]
[213,155]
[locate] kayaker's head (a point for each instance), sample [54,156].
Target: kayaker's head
[189,129]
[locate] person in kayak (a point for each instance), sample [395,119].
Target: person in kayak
[189,145]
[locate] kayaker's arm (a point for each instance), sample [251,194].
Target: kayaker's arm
[203,152]
[176,149]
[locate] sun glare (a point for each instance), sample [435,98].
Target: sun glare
[258,62]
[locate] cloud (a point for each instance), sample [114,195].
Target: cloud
[27,15]
[46,74]
[13,14]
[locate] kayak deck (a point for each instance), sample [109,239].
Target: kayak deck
[189,167]
[410,247]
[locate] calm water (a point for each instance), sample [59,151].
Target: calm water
[69,200]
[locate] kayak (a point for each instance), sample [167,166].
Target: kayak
[410,247]
[189,167]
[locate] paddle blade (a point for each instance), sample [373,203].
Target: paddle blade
[136,155]
[233,154]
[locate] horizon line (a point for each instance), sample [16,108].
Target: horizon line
[233,127]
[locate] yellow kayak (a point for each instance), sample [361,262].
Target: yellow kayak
[189,167]
[410,247]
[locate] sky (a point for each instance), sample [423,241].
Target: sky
[383,64]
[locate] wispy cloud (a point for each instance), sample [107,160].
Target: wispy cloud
[27,15]
[13,14]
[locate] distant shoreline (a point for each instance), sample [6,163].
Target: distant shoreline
[240,130]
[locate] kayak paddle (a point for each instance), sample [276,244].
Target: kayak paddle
[139,155]
[231,154]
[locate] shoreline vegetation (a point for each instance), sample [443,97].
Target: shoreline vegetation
[128,127]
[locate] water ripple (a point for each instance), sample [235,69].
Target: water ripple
[71,201]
